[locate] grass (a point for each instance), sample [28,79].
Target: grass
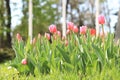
[9,73]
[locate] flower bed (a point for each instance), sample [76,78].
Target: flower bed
[81,52]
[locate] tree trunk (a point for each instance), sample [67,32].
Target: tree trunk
[64,17]
[8,41]
[117,32]
[2,23]
[97,14]
[30,25]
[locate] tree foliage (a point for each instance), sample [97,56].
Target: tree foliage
[44,14]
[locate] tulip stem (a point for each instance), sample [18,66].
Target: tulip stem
[103,32]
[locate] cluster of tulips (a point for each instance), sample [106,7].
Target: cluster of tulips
[75,52]
[53,29]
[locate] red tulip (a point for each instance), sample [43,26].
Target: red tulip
[101,19]
[83,29]
[47,35]
[92,32]
[75,29]
[70,26]
[52,28]
[24,61]
[18,36]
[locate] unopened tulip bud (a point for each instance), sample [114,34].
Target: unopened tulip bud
[75,29]
[24,61]
[18,36]
[47,35]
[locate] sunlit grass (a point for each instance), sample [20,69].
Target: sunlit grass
[9,73]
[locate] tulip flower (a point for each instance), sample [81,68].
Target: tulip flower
[47,35]
[24,61]
[75,29]
[68,32]
[101,19]
[18,36]
[59,33]
[70,26]
[92,32]
[52,28]
[83,29]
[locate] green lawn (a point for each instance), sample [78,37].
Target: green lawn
[9,73]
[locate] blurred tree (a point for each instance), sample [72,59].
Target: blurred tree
[5,23]
[44,14]
[117,32]
[8,23]
[2,23]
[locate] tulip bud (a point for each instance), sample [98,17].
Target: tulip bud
[68,32]
[70,25]
[47,35]
[101,19]
[24,61]
[59,33]
[18,36]
[83,29]
[92,32]
[75,29]
[52,28]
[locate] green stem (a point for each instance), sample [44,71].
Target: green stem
[103,33]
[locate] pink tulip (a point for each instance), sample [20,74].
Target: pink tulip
[52,28]
[24,61]
[59,33]
[18,36]
[70,26]
[83,29]
[68,32]
[47,35]
[75,29]
[101,19]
